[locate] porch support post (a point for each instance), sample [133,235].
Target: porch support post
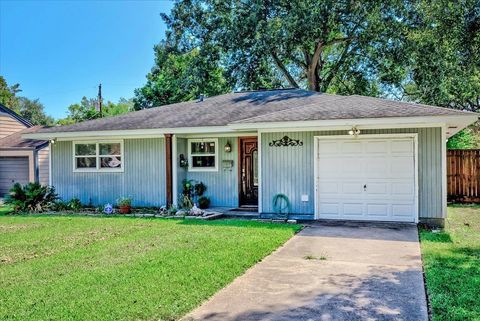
[168,168]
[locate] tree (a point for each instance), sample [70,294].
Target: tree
[444,52]
[33,110]
[8,94]
[324,45]
[87,110]
[179,76]
[465,139]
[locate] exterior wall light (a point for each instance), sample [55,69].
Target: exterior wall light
[183,161]
[228,147]
[354,132]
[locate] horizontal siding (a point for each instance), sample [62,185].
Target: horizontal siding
[8,126]
[42,165]
[13,170]
[222,186]
[290,170]
[143,178]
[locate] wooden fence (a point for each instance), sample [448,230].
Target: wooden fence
[463,175]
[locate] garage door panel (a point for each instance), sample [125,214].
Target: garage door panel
[367,179]
[13,170]
[402,146]
[402,210]
[330,208]
[352,188]
[353,209]
[378,210]
[328,187]
[351,147]
[377,147]
[330,148]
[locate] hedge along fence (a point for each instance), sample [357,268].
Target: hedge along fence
[463,175]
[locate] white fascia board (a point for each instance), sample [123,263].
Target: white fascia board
[461,121]
[130,133]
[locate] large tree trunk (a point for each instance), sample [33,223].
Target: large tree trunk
[312,74]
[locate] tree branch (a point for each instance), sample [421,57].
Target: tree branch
[284,70]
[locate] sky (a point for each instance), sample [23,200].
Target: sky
[59,51]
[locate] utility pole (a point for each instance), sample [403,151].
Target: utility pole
[100,99]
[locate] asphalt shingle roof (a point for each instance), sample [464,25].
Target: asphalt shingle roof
[15,140]
[258,106]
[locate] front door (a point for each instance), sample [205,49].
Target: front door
[248,171]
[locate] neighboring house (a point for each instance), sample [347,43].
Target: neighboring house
[334,157]
[21,160]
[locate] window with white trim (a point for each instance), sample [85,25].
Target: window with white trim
[98,156]
[203,154]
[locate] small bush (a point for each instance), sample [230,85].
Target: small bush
[32,197]
[74,204]
[203,202]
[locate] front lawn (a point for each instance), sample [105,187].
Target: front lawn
[92,268]
[452,265]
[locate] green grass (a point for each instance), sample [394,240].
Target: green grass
[90,268]
[452,265]
[5,209]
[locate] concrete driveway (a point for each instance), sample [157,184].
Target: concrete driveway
[330,272]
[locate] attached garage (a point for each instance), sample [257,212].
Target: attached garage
[13,170]
[370,177]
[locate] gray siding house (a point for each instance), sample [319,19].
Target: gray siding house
[333,157]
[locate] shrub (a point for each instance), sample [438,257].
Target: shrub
[203,202]
[32,197]
[74,204]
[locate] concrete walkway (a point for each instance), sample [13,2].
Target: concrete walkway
[341,272]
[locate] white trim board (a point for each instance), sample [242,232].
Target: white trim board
[457,122]
[413,136]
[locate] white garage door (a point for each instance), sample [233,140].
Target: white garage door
[366,179]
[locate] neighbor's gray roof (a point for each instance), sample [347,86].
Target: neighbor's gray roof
[258,106]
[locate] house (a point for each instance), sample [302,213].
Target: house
[333,157]
[21,160]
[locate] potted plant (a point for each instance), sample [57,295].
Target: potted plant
[124,205]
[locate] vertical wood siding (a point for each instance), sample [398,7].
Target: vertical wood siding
[290,170]
[463,175]
[9,125]
[222,186]
[181,171]
[143,178]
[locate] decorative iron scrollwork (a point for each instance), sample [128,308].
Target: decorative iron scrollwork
[286,141]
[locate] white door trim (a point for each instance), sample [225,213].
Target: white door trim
[413,136]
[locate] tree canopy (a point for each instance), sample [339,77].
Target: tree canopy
[87,110]
[32,110]
[179,76]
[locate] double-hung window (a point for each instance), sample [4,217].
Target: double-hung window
[203,155]
[105,156]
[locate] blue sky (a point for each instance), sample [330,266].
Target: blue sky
[59,51]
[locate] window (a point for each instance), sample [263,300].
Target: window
[101,156]
[203,155]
